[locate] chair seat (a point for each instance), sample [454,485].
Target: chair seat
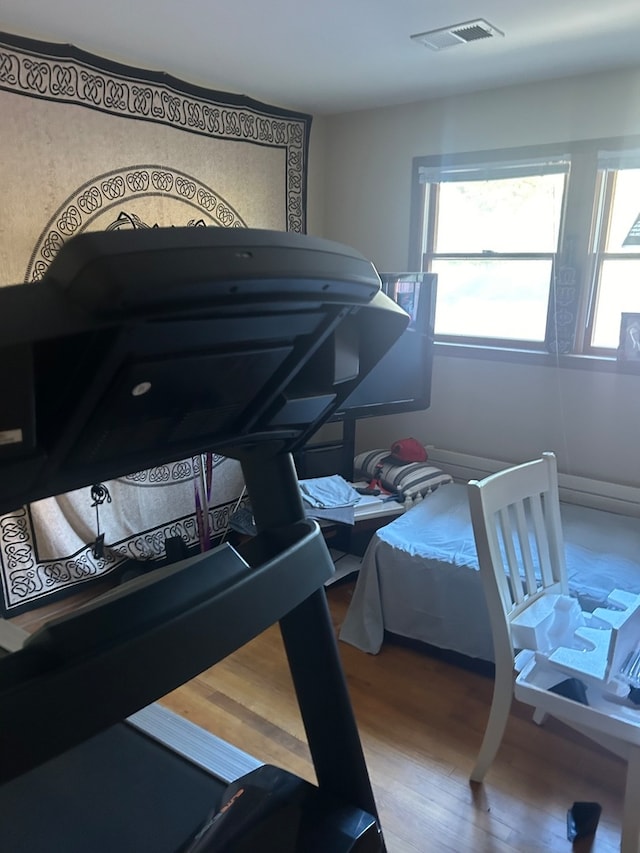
[611,717]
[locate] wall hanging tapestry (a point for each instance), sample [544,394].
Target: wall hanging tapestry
[89,144]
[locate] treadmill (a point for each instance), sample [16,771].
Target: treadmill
[140,348]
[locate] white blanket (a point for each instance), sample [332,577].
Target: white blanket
[419,576]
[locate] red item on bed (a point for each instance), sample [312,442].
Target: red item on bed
[408,450]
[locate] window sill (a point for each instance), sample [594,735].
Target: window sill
[602,364]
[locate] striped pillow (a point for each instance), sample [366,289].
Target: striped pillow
[408,480]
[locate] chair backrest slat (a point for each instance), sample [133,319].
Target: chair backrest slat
[493,546]
[511,562]
[540,531]
[517,528]
[528,554]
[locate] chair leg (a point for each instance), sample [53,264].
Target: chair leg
[630,837]
[498,716]
[539,716]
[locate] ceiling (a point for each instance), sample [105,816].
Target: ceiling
[332,56]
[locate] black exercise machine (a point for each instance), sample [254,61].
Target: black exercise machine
[140,348]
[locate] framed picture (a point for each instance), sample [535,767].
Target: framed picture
[629,346]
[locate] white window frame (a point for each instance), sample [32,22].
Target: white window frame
[609,163]
[574,287]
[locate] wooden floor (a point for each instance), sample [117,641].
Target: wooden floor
[421,721]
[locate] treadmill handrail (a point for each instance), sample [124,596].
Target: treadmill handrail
[55,693]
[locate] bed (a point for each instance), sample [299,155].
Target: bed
[419,576]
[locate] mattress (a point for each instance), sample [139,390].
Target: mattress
[419,577]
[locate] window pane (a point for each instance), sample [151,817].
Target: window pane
[619,291]
[493,298]
[508,215]
[625,210]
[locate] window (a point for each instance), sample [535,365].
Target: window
[616,246]
[490,226]
[534,249]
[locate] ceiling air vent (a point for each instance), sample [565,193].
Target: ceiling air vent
[457,34]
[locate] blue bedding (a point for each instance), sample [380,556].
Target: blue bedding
[419,576]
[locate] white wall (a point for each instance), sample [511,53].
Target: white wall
[514,412]
[498,409]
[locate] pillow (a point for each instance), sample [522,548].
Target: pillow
[408,480]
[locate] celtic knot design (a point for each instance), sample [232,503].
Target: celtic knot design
[264,130]
[37,75]
[149,546]
[212,118]
[172,106]
[296,136]
[13,529]
[24,585]
[161,474]
[142,99]
[19,556]
[90,200]
[52,246]
[195,117]
[279,130]
[564,317]
[138,181]
[224,215]
[92,87]
[70,220]
[58,572]
[39,271]
[248,124]
[185,187]
[137,94]
[567,275]
[206,199]
[8,69]
[162,181]
[113,187]
[137,477]
[78,212]
[181,470]
[566,295]
[83,567]
[231,123]
[28,580]
[217,460]
[115,95]
[63,80]
[559,346]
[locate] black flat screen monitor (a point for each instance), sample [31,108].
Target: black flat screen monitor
[401,380]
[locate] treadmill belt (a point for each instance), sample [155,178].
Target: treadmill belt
[119,791]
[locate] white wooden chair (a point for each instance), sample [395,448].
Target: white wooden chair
[518,534]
